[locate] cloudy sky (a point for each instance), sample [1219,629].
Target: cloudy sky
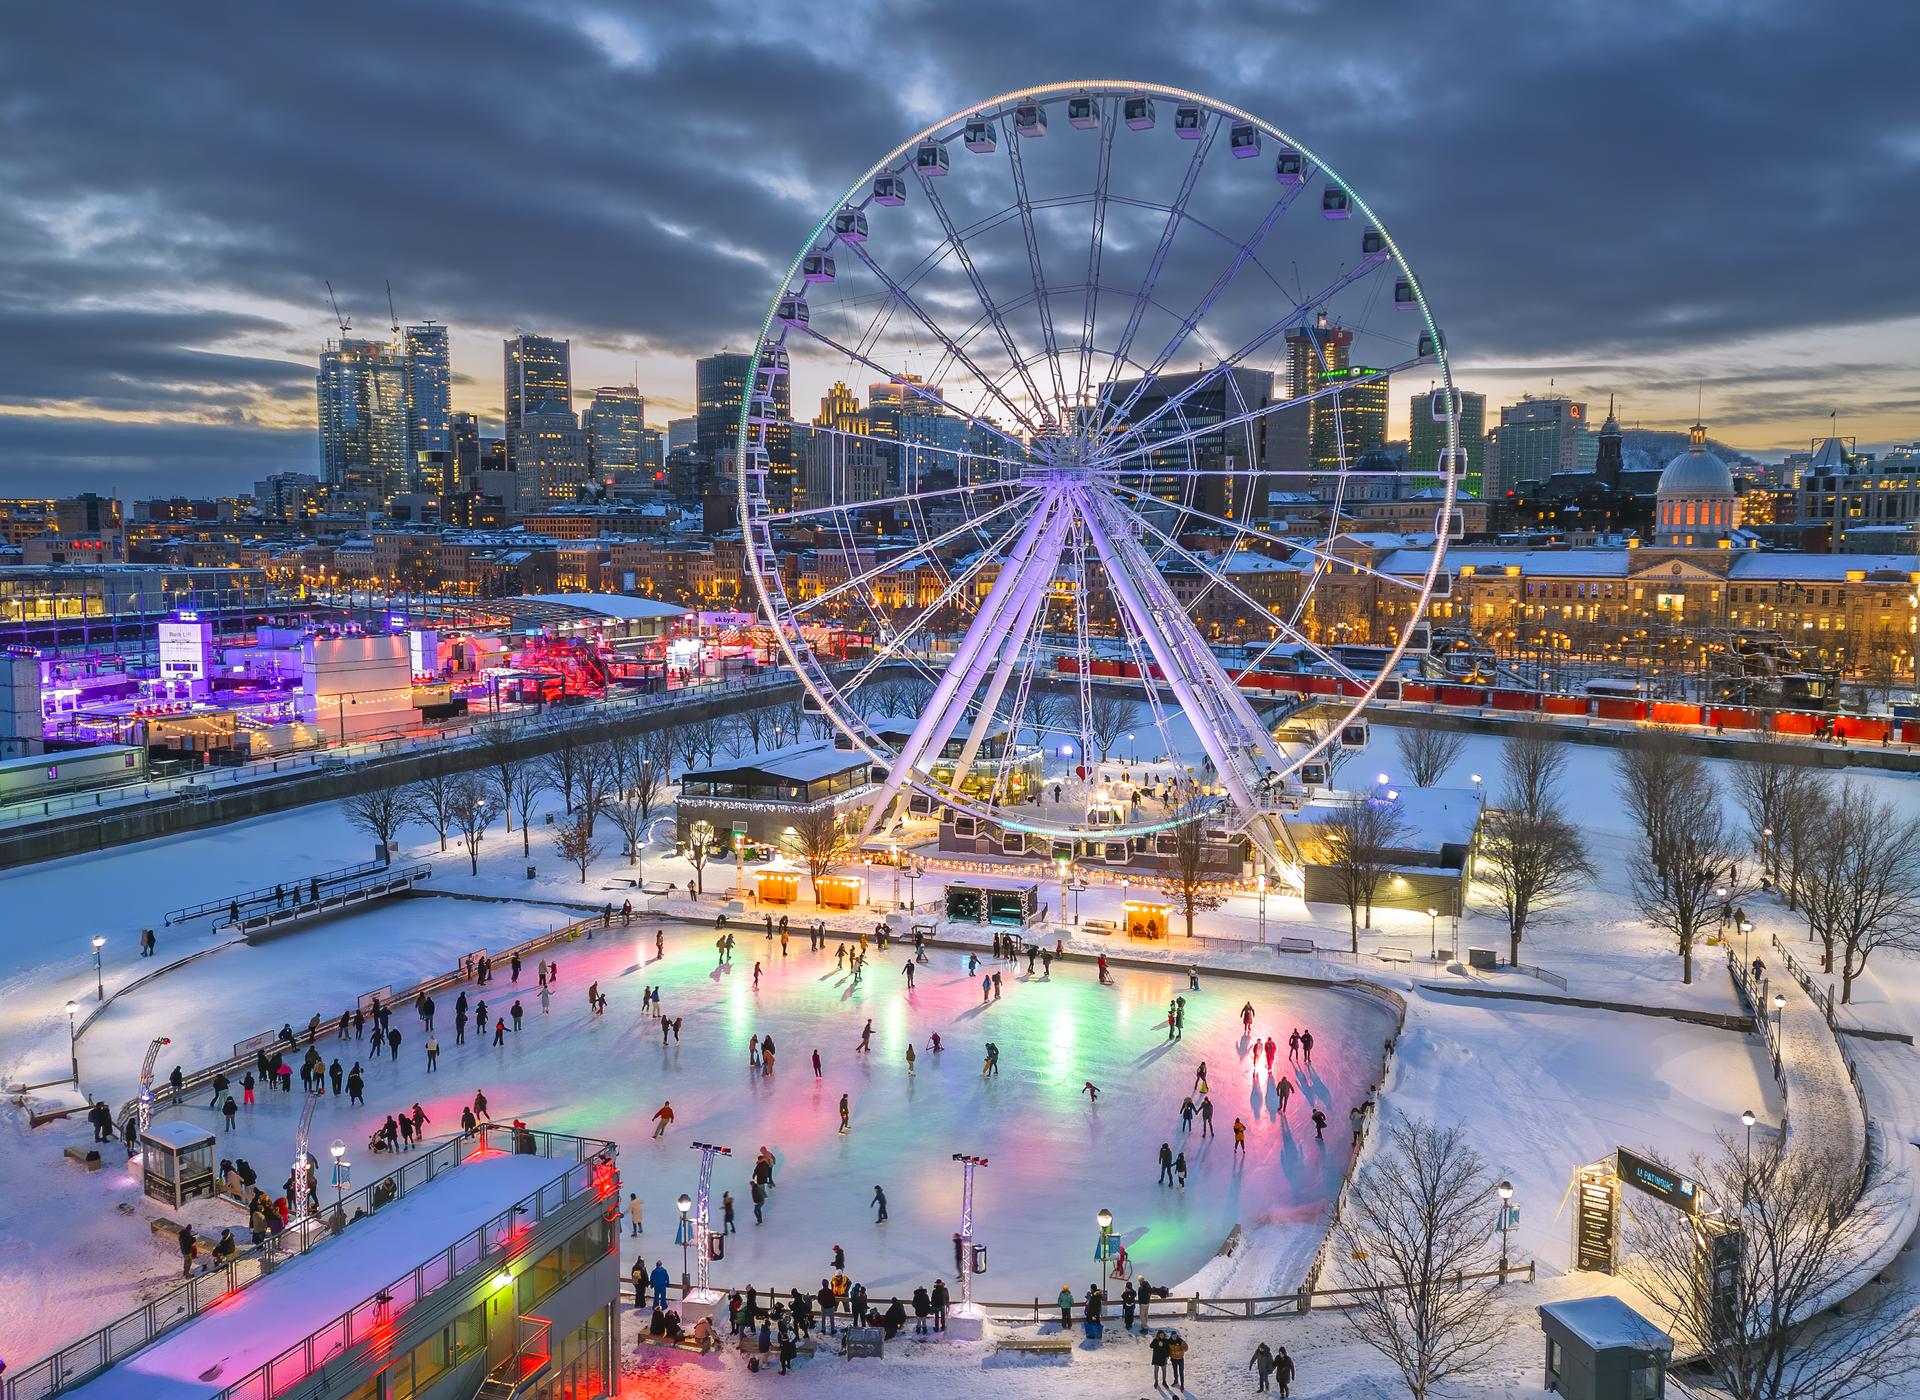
[1652,200]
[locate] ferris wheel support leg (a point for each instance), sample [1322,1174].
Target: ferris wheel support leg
[996,688]
[1195,677]
[983,637]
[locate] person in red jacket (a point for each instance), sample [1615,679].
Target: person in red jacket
[663,1118]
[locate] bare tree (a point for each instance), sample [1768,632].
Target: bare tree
[1186,880]
[1418,1219]
[576,844]
[561,764]
[749,729]
[380,812]
[1862,885]
[1356,843]
[429,801]
[1109,717]
[1797,826]
[1531,855]
[1429,753]
[519,788]
[697,741]
[820,840]
[1047,709]
[504,762]
[632,807]
[702,842]
[1772,1330]
[470,808]
[1765,786]
[1647,769]
[1683,877]
[597,781]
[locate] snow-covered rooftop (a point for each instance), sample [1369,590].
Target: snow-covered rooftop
[800,763]
[613,605]
[251,1327]
[1604,1322]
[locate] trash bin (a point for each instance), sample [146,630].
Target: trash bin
[1094,1330]
[530,872]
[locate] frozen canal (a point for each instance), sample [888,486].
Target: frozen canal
[1056,1158]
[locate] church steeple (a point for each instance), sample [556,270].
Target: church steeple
[1608,465]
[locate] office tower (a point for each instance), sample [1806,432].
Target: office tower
[1426,439]
[539,370]
[464,429]
[653,449]
[682,432]
[841,457]
[1331,432]
[1224,453]
[719,389]
[614,420]
[361,394]
[550,457]
[1538,437]
[429,390]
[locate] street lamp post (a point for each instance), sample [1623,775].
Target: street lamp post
[1746,941]
[1766,851]
[1779,1022]
[914,869]
[1505,1188]
[341,1170]
[1133,754]
[684,1235]
[1433,934]
[1746,1169]
[99,976]
[894,851]
[1726,910]
[1479,790]
[1104,1250]
[1263,902]
[73,1042]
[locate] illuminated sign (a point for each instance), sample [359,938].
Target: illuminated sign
[1657,1181]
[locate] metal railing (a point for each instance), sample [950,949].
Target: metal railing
[1539,974]
[277,894]
[92,1354]
[1826,1004]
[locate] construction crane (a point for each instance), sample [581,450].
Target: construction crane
[344,324]
[393,317]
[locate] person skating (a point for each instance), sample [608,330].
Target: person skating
[1100,964]
[1283,1090]
[500,1031]
[356,1085]
[1319,1126]
[1180,1169]
[846,1110]
[546,1000]
[1166,1164]
[468,1121]
[1091,1090]
[910,1059]
[879,1202]
[420,1121]
[1187,1110]
[908,970]
[516,1012]
[727,1226]
[433,1054]
[660,945]
[986,988]
[230,1109]
[866,1039]
[1206,1116]
[1306,1047]
[992,1066]
[757,1193]
[1246,1019]
[1239,1137]
[816,1064]
[663,1119]
[1271,1049]
[1262,1367]
[756,977]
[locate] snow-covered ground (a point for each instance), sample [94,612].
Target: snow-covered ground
[1541,1088]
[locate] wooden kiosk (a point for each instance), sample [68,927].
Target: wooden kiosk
[1147,918]
[839,891]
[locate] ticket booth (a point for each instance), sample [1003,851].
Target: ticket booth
[777,886]
[840,891]
[1147,918]
[1601,1349]
[177,1161]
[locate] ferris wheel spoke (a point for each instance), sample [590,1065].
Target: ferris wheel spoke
[1242,253]
[920,551]
[1219,579]
[987,304]
[1108,121]
[1325,391]
[888,502]
[1044,305]
[920,314]
[1125,429]
[894,377]
[1278,541]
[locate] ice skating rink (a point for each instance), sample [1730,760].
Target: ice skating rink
[1055,1158]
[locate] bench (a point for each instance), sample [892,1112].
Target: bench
[88,1157]
[1100,926]
[1393,955]
[686,1343]
[160,1225]
[1295,945]
[1054,1344]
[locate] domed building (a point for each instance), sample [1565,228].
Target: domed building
[1695,505]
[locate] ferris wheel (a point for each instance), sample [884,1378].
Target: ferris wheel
[1102,372]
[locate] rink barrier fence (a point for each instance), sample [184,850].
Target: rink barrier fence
[80,1361]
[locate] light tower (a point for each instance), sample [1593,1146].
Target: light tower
[702,1236]
[964,1240]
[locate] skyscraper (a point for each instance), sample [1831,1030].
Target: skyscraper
[614,422]
[429,390]
[539,370]
[1426,439]
[1538,437]
[361,395]
[1333,431]
[465,430]
[719,389]
[551,460]
[1224,454]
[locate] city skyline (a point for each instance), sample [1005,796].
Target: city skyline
[167,250]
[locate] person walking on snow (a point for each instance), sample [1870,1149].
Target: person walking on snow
[1262,1366]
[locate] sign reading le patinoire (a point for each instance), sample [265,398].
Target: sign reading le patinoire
[1645,1174]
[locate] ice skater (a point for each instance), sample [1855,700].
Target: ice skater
[992,1065]
[1271,1049]
[1306,1047]
[816,1064]
[1200,1078]
[846,1112]
[910,1059]
[866,1039]
[879,1202]
[1246,1018]
[1166,1164]
[1283,1089]
[1091,1090]
[908,970]
[663,1119]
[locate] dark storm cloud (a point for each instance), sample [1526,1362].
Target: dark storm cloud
[39,456]
[1612,180]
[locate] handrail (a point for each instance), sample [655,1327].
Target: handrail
[1811,988]
[105,1347]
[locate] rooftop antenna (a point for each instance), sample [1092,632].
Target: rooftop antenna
[344,324]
